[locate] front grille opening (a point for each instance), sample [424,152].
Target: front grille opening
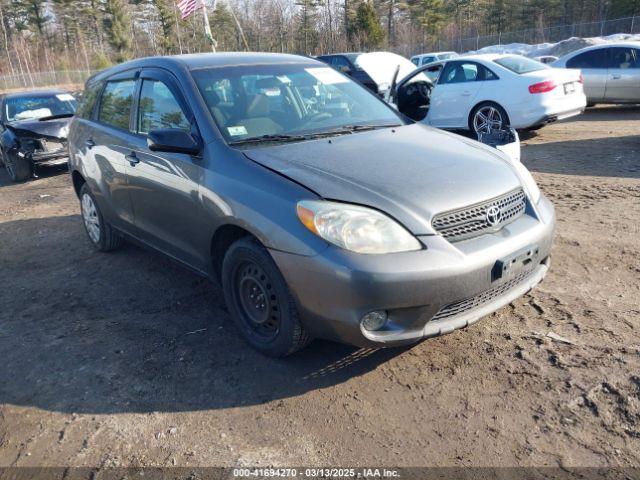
[473,221]
[483,298]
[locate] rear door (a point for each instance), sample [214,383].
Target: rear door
[454,94]
[594,66]
[623,78]
[165,186]
[107,141]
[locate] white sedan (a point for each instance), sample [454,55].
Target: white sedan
[483,93]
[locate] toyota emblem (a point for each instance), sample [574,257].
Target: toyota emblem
[494,215]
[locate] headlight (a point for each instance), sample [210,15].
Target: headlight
[355,228]
[529,183]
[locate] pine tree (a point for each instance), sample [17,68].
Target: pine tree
[118,28]
[367,25]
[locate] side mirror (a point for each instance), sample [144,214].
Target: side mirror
[173,140]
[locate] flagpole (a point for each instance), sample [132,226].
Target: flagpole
[207,27]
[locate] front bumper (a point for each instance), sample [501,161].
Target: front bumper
[426,293]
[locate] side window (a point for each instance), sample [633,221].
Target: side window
[459,73]
[624,58]
[341,63]
[115,106]
[426,60]
[159,108]
[88,101]
[591,59]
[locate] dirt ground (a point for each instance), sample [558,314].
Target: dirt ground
[126,359]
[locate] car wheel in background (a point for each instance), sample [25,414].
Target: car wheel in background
[18,168]
[259,300]
[488,116]
[100,233]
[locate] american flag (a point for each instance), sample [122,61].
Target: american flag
[187,7]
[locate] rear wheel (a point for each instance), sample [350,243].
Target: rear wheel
[259,300]
[100,233]
[18,168]
[486,117]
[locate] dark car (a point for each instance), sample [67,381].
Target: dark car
[347,63]
[34,127]
[321,210]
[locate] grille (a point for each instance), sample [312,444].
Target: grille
[51,145]
[472,221]
[487,296]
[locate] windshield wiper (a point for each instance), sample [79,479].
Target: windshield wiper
[54,117]
[362,128]
[349,129]
[270,138]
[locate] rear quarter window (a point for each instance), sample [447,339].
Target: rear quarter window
[88,100]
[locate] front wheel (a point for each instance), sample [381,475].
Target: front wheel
[18,168]
[100,233]
[259,300]
[488,117]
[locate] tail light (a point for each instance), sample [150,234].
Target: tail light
[543,87]
[581,79]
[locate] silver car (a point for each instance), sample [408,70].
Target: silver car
[322,211]
[611,71]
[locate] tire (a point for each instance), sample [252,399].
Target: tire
[259,300]
[101,235]
[18,168]
[495,114]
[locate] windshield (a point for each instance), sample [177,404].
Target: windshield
[35,107]
[287,100]
[520,65]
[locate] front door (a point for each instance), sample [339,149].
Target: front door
[623,79]
[454,94]
[164,187]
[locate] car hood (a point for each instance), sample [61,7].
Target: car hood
[54,128]
[381,66]
[411,172]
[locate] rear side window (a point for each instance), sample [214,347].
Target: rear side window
[520,65]
[159,108]
[591,59]
[115,106]
[426,60]
[88,100]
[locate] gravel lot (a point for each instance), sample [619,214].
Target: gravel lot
[127,359]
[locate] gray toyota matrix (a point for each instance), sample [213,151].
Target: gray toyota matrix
[323,212]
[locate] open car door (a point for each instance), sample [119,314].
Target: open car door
[412,96]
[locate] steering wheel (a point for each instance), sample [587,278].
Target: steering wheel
[317,117]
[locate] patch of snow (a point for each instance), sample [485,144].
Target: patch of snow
[557,49]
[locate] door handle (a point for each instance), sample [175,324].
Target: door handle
[132,158]
[616,77]
[466,94]
[90,143]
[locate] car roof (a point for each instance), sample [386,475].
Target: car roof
[431,54]
[34,93]
[196,61]
[602,45]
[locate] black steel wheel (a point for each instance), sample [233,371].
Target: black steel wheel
[259,300]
